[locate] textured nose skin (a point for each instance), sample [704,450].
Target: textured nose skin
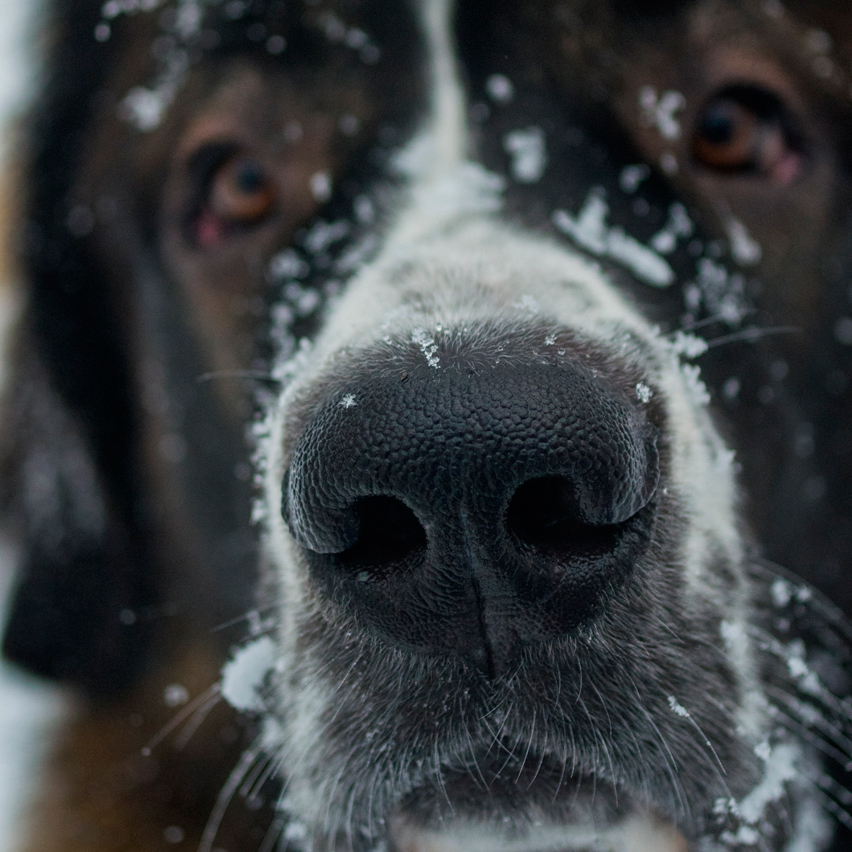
[473,508]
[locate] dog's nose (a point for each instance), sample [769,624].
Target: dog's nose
[473,508]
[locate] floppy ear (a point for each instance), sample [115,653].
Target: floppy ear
[76,610]
[68,441]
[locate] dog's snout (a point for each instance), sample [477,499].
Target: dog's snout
[472,508]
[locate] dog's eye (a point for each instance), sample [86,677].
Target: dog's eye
[747,130]
[241,191]
[236,192]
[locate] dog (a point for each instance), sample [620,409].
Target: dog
[413,406]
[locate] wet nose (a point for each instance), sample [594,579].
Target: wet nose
[473,508]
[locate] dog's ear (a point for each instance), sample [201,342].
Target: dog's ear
[68,445]
[77,611]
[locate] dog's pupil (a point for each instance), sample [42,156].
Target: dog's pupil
[717,126]
[250,177]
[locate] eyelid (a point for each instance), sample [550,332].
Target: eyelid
[209,157]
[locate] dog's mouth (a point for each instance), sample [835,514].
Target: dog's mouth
[638,833]
[528,811]
[527,803]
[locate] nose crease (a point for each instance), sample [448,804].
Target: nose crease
[479,558]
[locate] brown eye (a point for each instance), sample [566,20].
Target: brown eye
[746,130]
[236,192]
[241,191]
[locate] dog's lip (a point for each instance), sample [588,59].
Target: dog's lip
[531,810]
[640,831]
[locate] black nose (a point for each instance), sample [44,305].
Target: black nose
[474,506]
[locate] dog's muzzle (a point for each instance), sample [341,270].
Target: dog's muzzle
[473,505]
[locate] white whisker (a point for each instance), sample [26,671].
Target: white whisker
[182,715]
[751,335]
[249,756]
[238,374]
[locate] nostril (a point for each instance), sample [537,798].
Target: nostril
[389,535]
[567,562]
[544,514]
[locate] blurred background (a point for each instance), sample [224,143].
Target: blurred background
[28,708]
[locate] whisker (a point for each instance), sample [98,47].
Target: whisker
[816,693]
[439,776]
[837,791]
[561,779]
[604,748]
[603,703]
[509,749]
[479,775]
[836,810]
[823,741]
[370,797]
[196,720]
[723,772]
[251,777]
[540,761]
[529,746]
[272,767]
[252,615]
[238,374]
[331,795]
[495,735]
[350,811]
[343,700]
[180,717]
[580,680]
[272,835]
[668,756]
[249,756]
[750,335]
[711,320]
